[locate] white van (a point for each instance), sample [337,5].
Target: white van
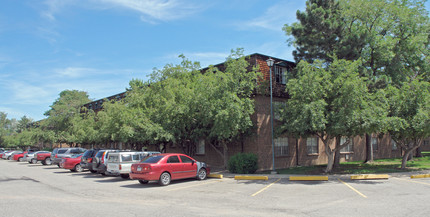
[119,163]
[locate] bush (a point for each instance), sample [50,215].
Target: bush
[243,163]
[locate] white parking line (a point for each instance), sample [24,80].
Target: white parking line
[349,186]
[265,188]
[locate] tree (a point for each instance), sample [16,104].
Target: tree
[330,103]
[410,115]
[390,37]
[62,112]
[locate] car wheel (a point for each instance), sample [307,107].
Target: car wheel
[125,176]
[33,161]
[164,179]
[78,168]
[143,182]
[93,171]
[9,157]
[48,161]
[202,174]
[58,165]
[19,159]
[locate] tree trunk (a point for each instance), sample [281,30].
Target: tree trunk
[418,153]
[337,153]
[330,161]
[225,152]
[369,149]
[405,158]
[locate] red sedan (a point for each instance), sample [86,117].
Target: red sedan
[72,163]
[167,167]
[18,157]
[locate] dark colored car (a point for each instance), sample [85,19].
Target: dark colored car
[88,159]
[167,167]
[100,161]
[72,163]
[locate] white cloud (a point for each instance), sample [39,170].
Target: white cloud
[151,11]
[275,16]
[74,72]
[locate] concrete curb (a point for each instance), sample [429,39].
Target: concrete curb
[218,176]
[308,178]
[369,176]
[251,178]
[420,176]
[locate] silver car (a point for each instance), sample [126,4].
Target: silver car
[59,153]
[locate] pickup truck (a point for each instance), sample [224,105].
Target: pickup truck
[44,157]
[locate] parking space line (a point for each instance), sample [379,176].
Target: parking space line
[191,186]
[349,186]
[407,180]
[265,188]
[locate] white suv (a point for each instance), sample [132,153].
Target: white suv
[119,163]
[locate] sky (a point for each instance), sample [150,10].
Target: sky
[98,46]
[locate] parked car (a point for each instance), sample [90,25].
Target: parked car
[166,167]
[30,153]
[10,157]
[58,154]
[100,160]
[88,158]
[6,154]
[72,163]
[119,163]
[19,156]
[32,157]
[43,156]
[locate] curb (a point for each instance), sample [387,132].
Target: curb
[420,176]
[251,178]
[308,178]
[369,176]
[218,176]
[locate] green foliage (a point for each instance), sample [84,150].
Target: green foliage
[243,163]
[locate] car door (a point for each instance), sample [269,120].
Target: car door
[175,167]
[189,167]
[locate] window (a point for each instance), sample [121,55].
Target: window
[201,147]
[186,159]
[426,142]
[312,145]
[173,159]
[281,146]
[348,148]
[393,145]
[277,107]
[126,157]
[375,143]
[136,157]
[280,74]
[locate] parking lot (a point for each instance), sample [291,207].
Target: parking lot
[37,190]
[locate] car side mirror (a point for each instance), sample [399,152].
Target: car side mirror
[193,162]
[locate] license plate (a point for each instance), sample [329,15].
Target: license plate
[139,169]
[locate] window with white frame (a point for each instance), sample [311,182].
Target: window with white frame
[393,145]
[280,74]
[281,146]
[201,147]
[375,143]
[312,145]
[277,107]
[348,148]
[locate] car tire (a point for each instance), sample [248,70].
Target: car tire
[48,161]
[78,168]
[125,176]
[202,174]
[58,165]
[9,157]
[143,182]
[93,171]
[165,179]
[19,159]
[34,161]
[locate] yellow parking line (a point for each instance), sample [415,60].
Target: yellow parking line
[349,186]
[191,186]
[265,187]
[407,180]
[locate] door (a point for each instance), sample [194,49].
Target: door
[189,167]
[175,167]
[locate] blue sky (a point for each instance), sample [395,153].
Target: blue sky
[98,46]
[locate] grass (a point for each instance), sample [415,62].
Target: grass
[378,166]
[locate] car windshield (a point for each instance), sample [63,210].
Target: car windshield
[152,159]
[88,153]
[61,151]
[100,154]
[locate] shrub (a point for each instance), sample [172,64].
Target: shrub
[243,163]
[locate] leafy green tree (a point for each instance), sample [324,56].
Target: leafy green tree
[410,115]
[329,103]
[63,110]
[24,123]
